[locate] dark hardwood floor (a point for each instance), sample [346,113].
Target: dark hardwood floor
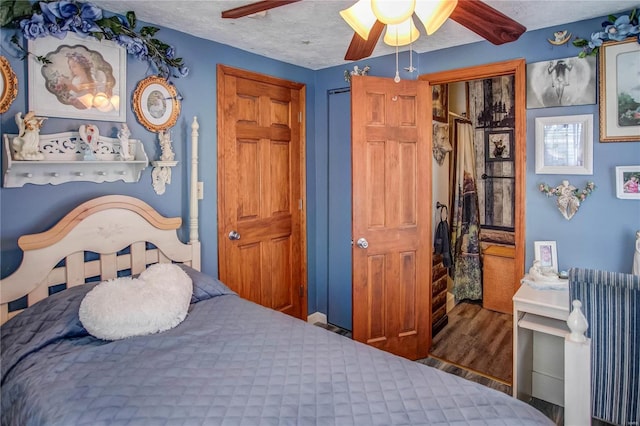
[477,339]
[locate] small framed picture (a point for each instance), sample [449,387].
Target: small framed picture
[498,145]
[564,145]
[155,103]
[546,254]
[440,94]
[628,182]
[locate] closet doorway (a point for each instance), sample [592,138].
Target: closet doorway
[492,119]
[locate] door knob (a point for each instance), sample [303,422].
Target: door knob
[362,243]
[233,235]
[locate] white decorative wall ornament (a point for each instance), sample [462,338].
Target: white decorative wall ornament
[26,145]
[161,174]
[441,144]
[568,196]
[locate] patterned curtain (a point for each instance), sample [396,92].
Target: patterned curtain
[467,270]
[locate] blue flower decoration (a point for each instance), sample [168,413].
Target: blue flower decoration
[57,18]
[615,29]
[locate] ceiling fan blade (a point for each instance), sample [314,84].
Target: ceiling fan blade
[361,48]
[251,8]
[487,22]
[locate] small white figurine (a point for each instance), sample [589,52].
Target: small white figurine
[636,256]
[165,145]
[89,133]
[26,145]
[541,274]
[125,148]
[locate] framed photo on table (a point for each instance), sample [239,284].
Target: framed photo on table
[619,114]
[155,103]
[545,252]
[80,78]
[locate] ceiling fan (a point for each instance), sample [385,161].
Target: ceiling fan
[475,15]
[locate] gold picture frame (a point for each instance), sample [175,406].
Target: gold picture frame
[155,103]
[8,85]
[619,62]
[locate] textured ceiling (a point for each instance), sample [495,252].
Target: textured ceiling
[311,33]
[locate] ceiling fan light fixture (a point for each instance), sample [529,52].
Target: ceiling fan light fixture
[401,34]
[434,13]
[360,17]
[392,12]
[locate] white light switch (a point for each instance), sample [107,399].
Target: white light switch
[200,190]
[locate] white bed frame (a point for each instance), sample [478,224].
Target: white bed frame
[105,225]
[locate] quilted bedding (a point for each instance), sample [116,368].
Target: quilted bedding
[231,362]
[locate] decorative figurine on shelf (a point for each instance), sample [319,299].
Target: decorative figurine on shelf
[26,146]
[165,145]
[89,133]
[125,147]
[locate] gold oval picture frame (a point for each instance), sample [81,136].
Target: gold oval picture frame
[8,85]
[155,103]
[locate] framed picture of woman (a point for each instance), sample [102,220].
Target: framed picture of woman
[155,103]
[77,78]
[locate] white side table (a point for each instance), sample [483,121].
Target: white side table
[539,329]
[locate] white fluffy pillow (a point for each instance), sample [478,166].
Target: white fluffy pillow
[156,301]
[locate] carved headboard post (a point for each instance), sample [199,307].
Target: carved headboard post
[193,197]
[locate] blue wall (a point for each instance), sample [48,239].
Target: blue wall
[35,208]
[601,234]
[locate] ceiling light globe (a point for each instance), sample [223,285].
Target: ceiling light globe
[393,11]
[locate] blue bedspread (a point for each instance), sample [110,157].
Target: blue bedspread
[231,362]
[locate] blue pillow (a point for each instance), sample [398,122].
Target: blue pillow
[205,286]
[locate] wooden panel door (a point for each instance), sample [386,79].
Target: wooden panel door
[391,163]
[261,186]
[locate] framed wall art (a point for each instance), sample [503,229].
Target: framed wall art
[498,145]
[155,103]
[564,145]
[545,252]
[628,182]
[619,94]
[561,82]
[8,85]
[440,102]
[82,78]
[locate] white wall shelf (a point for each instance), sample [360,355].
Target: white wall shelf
[64,162]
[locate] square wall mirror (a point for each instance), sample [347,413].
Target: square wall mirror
[564,145]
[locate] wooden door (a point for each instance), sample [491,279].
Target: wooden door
[261,187]
[391,163]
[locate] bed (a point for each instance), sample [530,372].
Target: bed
[229,362]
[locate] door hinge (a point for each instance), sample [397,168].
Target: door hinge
[300,204]
[299,116]
[301,290]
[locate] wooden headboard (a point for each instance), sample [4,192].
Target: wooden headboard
[98,239]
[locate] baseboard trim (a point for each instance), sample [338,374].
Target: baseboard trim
[317,317]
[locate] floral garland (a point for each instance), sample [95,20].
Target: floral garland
[558,190]
[57,18]
[613,29]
